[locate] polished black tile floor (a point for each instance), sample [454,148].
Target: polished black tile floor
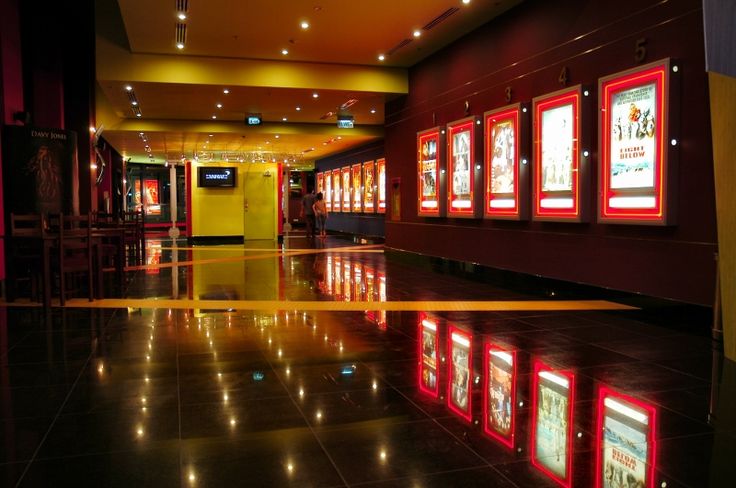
[307,398]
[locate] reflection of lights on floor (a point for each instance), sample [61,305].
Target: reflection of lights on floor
[319,415]
[225,397]
[233,422]
[290,468]
[192,477]
[139,431]
[374,385]
[288,371]
[301,392]
[383,455]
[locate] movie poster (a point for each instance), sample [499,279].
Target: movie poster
[503,156]
[625,445]
[460,373]
[338,278]
[500,393]
[368,184]
[381,172]
[320,183]
[346,189]
[428,172]
[336,191]
[557,129]
[138,196]
[461,170]
[633,119]
[552,421]
[357,188]
[429,355]
[153,204]
[328,190]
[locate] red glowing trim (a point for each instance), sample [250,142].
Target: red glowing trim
[467,412]
[369,182]
[425,324]
[455,205]
[658,76]
[491,121]
[428,205]
[565,481]
[507,441]
[569,97]
[336,201]
[346,189]
[381,176]
[605,392]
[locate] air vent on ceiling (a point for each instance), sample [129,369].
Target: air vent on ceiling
[182,6]
[181,33]
[398,46]
[440,18]
[348,104]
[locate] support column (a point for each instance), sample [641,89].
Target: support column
[173,231]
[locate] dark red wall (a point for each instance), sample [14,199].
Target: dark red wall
[525,49]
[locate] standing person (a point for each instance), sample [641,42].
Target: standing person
[320,213]
[308,211]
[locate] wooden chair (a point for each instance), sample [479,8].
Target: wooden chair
[134,234]
[74,251]
[25,253]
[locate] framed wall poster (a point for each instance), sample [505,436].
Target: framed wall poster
[321,183]
[336,190]
[369,187]
[357,185]
[464,174]
[499,393]
[460,381]
[346,189]
[626,441]
[430,163]
[428,377]
[381,187]
[506,163]
[153,204]
[561,156]
[552,415]
[328,190]
[635,175]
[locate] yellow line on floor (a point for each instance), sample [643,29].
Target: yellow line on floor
[427,306]
[274,249]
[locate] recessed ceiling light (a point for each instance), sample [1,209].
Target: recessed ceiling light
[417,33]
[304,25]
[134,103]
[180,45]
[128,88]
[225,91]
[182,16]
[268,142]
[298,109]
[339,138]
[373,110]
[284,119]
[219,105]
[381,57]
[214,116]
[315,95]
[277,136]
[284,52]
[466,2]
[209,135]
[138,115]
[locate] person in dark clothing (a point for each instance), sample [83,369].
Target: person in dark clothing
[308,212]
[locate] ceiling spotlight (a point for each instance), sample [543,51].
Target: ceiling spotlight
[381,57]
[209,135]
[182,16]
[298,109]
[219,105]
[417,33]
[225,91]
[277,136]
[315,95]
[284,52]
[139,115]
[128,88]
[134,103]
[466,2]
[373,110]
[214,116]
[284,119]
[304,25]
[180,45]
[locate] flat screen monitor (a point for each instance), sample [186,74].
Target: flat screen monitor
[215,177]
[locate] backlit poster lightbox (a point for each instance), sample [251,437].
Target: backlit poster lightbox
[552,415]
[499,393]
[336,190]
[346,193]
[560,156]
[369,187]
[635,163]
[428,357]
[356,175]
[381,190]
[430,151]
[460,379]
[506,163]
[321,183]
[464,173]
[328,190]
[626,441]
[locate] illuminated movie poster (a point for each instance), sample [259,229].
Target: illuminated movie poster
[558,148]
[320,183]
[502,153]
[381,174]
[460,377]
[336,191]
[346,189]
[357,188]
[552,423]
[500,394]
[153,204]
[429,355]
[328,191]
[503,156]
[461,182]
[368,187]
[428,144]
[625,442]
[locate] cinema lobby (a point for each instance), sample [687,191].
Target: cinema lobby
[418,243]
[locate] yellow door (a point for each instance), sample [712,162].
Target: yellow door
[259,198]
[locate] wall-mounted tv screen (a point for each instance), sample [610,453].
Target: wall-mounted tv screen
[215,177]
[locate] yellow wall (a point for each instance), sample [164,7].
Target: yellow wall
[219,212]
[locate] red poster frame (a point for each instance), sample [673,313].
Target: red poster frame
[336,190]
[381,185]
[357,196]
[539,367]
[467,415]
[507,206]
[660,213]
[606,392]
[426,323]
[509,440]
[347,197]
[548,205]
[369,204]
[457,207]
[430,207]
